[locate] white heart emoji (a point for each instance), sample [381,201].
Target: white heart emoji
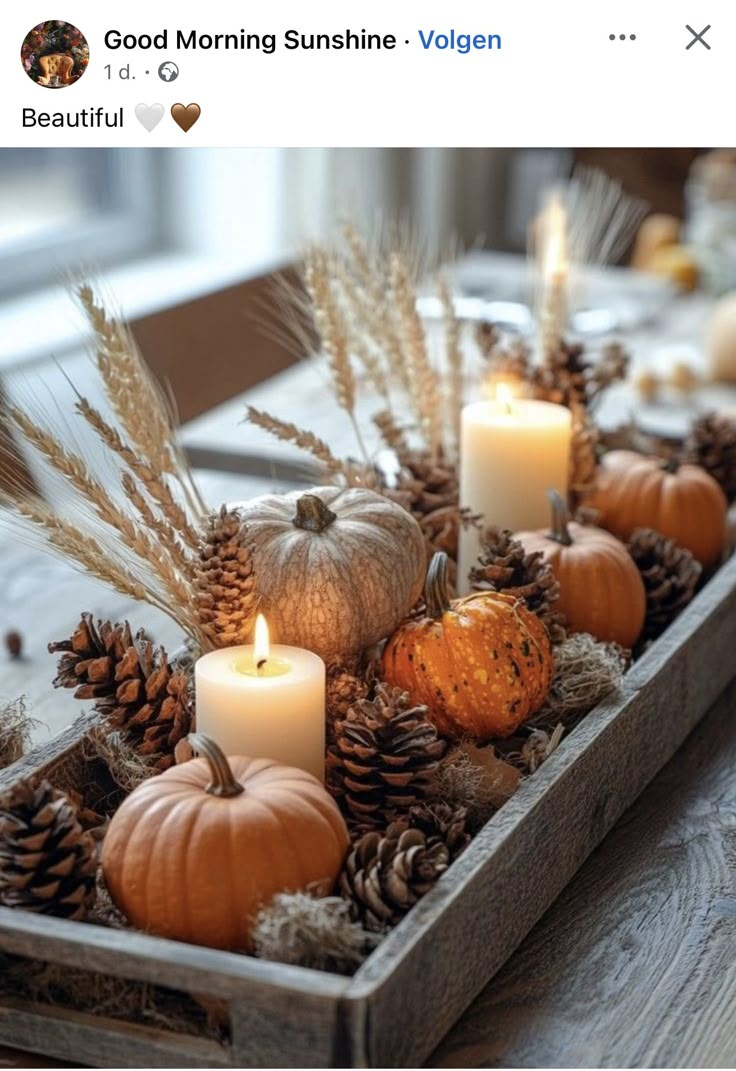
[149,115]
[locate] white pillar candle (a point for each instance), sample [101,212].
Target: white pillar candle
[511,453]
[264,702]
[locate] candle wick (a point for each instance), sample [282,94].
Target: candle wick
[260,664]
[507,407]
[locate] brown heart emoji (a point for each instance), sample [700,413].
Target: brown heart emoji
[185,116]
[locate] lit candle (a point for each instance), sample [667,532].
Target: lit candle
[553,308]
[512,452]
[264,701]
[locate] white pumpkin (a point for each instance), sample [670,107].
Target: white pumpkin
[337,570]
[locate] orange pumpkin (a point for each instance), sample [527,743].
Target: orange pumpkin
[601,589]
[680,501]
[193,853]
[481,664]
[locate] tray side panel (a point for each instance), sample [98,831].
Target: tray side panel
[102,1042]
[284,1030]
[42,761]
[429,969]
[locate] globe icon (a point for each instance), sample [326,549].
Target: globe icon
[168,71]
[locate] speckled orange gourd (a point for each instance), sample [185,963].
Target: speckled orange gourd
[481,664]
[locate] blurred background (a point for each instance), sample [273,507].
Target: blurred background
[168,228]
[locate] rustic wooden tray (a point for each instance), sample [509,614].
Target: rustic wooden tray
[425,973]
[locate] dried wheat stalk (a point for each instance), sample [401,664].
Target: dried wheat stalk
[167,535]
[331,326]
[454,360]
[81,550]
[372,337]
[392,434]
[364,280]
[372,365]
[423,379]
[332,329]
[130,535]
[137,399]
[87,555]
[155,484]
[305,440]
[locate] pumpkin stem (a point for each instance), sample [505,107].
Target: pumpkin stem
[223,783]
[670,464]
[436,590]
[312,514]
[560,519]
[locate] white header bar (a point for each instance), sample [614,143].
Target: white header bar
[383,73]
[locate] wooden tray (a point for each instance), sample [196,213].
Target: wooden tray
[424,974]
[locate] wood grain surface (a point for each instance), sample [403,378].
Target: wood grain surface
[635,964]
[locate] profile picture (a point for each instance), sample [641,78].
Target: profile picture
[55,54]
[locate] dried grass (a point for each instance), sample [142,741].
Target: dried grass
[586,671]
[16,726]
[477,779]
[126,766]
[66,986]
[300,929]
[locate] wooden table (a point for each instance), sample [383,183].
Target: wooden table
[633,966]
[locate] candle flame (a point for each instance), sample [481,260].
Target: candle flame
[261,642]
[513,383]
[505,396]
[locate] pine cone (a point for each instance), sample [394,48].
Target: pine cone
[568,376]
[89,657]
[437,819]
[428,489]
[48,863]
[344,689]
[487,337]
[611,367]
[712,445]
[384,757]
[224,581]
[670,574]
[133,685]
[563,377]
[384,876]
[505,566]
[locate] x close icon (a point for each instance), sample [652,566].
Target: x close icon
[698,37]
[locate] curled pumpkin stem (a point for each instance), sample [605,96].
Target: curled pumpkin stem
[436,588]
[560,519]
[223,782]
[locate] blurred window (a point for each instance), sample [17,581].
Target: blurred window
[63,206]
